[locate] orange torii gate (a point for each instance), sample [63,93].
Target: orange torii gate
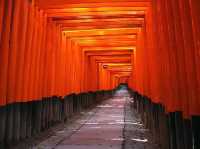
[46,47]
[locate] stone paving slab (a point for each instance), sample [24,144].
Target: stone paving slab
[102,131]
[88,147]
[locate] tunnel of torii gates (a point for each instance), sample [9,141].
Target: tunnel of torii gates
[61,47]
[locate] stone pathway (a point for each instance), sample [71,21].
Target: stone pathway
[111,125]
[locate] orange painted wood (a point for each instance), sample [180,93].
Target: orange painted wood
[43,57]
[195,10]
[163,87]
[174,63]
[188,44]
[21,50]
[34,52]
[4,51]
[51,63]
[177,72]
[2,11]
[40,58]
[28,54]
[13,52]
[39,55]
[47,60]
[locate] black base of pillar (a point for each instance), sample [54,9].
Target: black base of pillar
[170,130]
[187,134]
[24,120]
[2,126]
[196,131]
